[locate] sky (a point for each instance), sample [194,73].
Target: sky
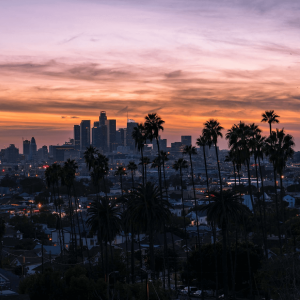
[187,60]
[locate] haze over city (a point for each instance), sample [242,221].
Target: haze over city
[64,61]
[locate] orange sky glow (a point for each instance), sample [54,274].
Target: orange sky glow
[189,61]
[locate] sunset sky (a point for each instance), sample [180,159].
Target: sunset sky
[188,60]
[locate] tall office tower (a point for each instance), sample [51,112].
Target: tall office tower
[96,124]
[99,137]
[111,134]
[121,137]
[77,137]
[102,118]
[129,140]
[26,148]
[162,144]
[45,152]
[33,147]
[186,140]
[85,132]
[12,154]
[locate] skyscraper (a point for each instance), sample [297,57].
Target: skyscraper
[33,148]
[102,118]
[77,137]
[99,137]
[111,134]
[85,132]
[129,140]
[121,137]
[26,148]
[12,154]
[186,140]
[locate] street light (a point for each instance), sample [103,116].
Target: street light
[116,272]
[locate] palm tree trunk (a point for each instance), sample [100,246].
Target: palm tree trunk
[108,223]
[282,208]
[198,234]
[249,182]
[259,206]
[213,225]
[132,255]
[225,280]
[143,172]
[167,195]
[185,233]
[277,211]
[264,206]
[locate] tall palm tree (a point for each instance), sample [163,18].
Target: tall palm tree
[204,141]
[269,116]
[260,145]
[139,135]
[149,211]
[239,137]
[279,147]
[67,177]
[191,150]
[105,220]
[212,131]
[224,209]
[153,125]
[180,165]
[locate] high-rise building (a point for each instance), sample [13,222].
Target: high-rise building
[102,118]
[121,137]
[96,124]
[186,140]
[99,137]
[33,148]
[162,144]
[77,137]
[129,140]
[12,154]
[111,134]
[85,132]
[26,148]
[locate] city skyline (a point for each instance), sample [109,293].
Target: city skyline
[189,61]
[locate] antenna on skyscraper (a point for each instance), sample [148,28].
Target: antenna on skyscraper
[127,114]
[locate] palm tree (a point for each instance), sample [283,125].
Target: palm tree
[211,132]
[68,178]
[191,150]
[270,117]
[204,141]
[148,210]
[279,148]
[179,165]
[105,220]
[239,137]
[139,135]
[89,156]
[224,209]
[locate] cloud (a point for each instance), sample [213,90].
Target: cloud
[173,74]
[63,117]
[125,109]
[74,117]
[72,38]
